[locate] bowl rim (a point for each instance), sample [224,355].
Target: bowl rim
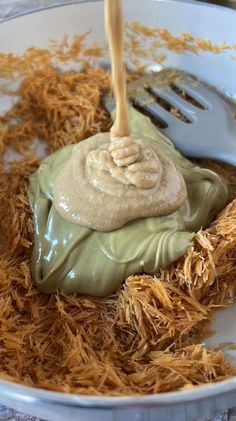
[196,3]
[17,391]
[29,394]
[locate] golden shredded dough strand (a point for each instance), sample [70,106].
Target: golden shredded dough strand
[147,337]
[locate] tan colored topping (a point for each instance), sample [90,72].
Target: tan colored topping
[121,175]
[115,33]
[142,166]
[123,151]
[128,162]
[151,186]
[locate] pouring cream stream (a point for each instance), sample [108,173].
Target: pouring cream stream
[116,204]
[127,178]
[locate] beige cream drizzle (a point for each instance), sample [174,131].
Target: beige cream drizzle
[134,163]
[115,33]
[111,179]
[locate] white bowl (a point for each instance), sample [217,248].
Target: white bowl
[211,22]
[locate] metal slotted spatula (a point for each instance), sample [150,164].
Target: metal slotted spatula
[197,120]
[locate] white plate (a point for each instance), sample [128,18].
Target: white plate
[210,22]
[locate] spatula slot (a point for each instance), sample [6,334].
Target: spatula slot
[187,97]
[168,106]
[157,120]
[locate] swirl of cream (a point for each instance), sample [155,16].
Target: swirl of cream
[105,185]
[141,164]
[124,151]
[128,162]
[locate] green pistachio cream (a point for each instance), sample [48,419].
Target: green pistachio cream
[73,259]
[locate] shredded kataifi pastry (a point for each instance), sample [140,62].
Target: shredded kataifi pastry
[147,337]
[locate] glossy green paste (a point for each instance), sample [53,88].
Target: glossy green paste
[70,258]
